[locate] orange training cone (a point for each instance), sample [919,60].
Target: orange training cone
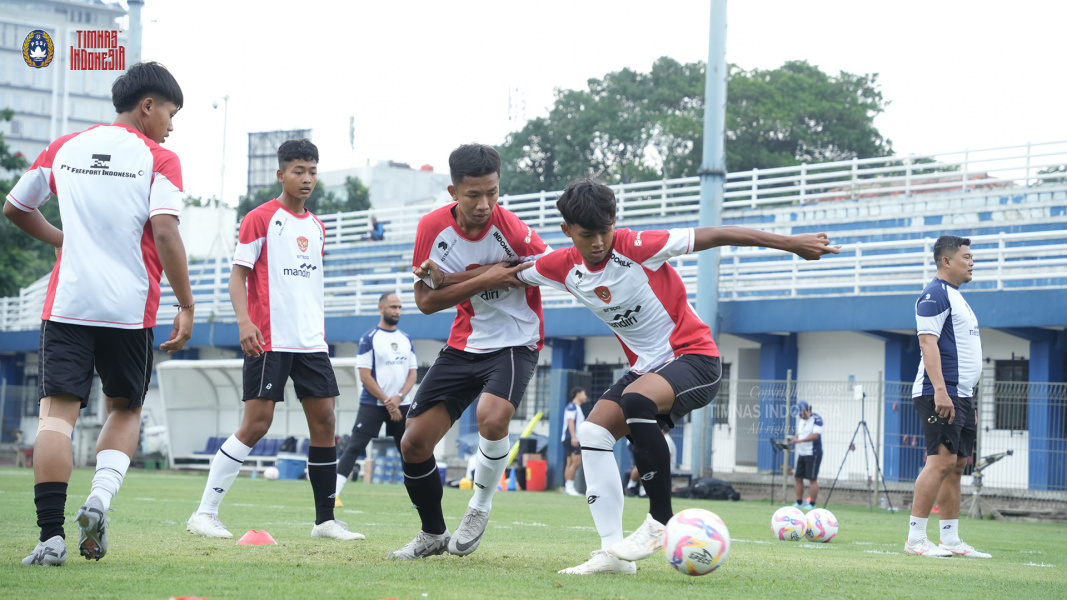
[503,485]
[256,538]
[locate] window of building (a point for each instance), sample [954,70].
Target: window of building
[1010,389]
[602,376]
[16,127]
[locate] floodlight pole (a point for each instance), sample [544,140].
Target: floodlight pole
[712,184]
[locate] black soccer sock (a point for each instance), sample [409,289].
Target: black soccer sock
[322,473]
[652,456]
[423,483]
[50,498]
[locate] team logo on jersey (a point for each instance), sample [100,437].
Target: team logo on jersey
[394,346]
[445,249]
[302,243]
[37,49]
[603,293]
[637,242]
[100,161]
[578,274]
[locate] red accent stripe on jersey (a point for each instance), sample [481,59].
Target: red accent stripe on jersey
[690,335]
[461,327]
[153,269]
[259,296]
[53,283]
[54,317]
[19,205]
[533,300]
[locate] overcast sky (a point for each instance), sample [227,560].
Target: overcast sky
[421,77]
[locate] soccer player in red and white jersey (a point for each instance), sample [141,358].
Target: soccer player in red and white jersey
[283,335]
[119,198]
[622,276]
[491,352]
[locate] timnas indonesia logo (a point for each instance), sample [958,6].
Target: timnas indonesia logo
[93,50]
[97,51]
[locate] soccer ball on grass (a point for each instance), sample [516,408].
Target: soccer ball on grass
[820,525]
[271,473]
[696,541]
[788,523]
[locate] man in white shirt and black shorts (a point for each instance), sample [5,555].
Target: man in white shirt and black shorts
[387,369]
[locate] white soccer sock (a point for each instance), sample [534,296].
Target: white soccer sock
[916,530]
[224,469]
[569,485]
[950,532]
[492,459]
[341,480]
[111,467]
[603,489]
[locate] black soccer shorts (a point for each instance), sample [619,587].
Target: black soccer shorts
[122,357]
[312,373]
[457,378]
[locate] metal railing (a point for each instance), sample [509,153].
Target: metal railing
[1017,261]
[1008,167]
[359,271]
[1038,445]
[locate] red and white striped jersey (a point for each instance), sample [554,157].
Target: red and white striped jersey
[285,287]
[110,181]
[635,292]
[493,319]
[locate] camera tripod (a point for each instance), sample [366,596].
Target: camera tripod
[862,425]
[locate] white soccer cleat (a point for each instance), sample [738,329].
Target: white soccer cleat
[646,541]
[926,548]
[574,493]
[335,529]
[49,553]
[964,549]
[207,525]
[424,544]
[469,533]
[92,529]
[602,561]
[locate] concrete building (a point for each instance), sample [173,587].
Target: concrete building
[392,184]
[54,100]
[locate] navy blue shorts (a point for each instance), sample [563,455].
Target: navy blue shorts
[695,379]
[312,373]
[457,378]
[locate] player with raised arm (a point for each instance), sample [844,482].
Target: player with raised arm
[120,194]
[622,276]
[282,326]
[491,351]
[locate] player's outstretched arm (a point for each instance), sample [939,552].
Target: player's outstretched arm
[809,246]
[497,276]
[175,264]
[34,224]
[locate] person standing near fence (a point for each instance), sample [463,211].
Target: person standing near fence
[119,194]
[387,369]
[808,443]
[573,415]
[277,291]
[944,398]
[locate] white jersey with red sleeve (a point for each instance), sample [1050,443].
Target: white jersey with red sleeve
[493,319]
[110,181]
[285,287]
[636,293]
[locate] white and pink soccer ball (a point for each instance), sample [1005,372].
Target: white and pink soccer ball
[271,473]
[820,525]
[788,523]
[696,541]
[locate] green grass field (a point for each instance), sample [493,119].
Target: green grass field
[530,537]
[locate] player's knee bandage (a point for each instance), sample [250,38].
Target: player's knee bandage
[638,408]
[49,423]
[594,437]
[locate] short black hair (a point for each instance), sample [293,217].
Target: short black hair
[948,245]
[589,203]
[575,391]
[145,79]
[381,299]
[473,160]
[301,149]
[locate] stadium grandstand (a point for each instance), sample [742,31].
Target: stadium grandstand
[838,333]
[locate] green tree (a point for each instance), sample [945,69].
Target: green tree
[23,259]
[320,202]
[632,126]
[358,194]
